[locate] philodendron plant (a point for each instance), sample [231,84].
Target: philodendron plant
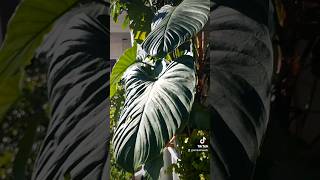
[159,77]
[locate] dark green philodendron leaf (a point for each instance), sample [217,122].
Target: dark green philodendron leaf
[156,107]
[200,117]
[153,168]
[31,21]
[77,141]
[239,94]
[127,59]
[175,25]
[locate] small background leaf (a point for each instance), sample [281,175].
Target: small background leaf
[127,59]
[140,17]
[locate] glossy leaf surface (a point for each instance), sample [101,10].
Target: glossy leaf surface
[174,25]
[156,106]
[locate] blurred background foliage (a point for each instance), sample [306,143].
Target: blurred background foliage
[192,165]
[24,125]
[116,104]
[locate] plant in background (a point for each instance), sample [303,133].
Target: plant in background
[191,165]
[24,126]
[158,75]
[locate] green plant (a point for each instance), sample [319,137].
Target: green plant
[164,83]
[160,86]
[226,90]
[191,165]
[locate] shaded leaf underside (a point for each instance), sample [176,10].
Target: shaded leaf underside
[76,144]
[240,82]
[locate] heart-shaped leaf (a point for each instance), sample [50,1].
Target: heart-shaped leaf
[175,25]
[156,107]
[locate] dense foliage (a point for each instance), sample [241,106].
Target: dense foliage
[24,125]
[158,75]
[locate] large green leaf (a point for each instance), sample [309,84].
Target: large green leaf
[175,25]
[127,59]
[153,168]
[156,106]
[76,143]
[31,21]
[239,94]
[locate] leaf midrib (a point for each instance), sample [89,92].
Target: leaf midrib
[152,84]
[167,26]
